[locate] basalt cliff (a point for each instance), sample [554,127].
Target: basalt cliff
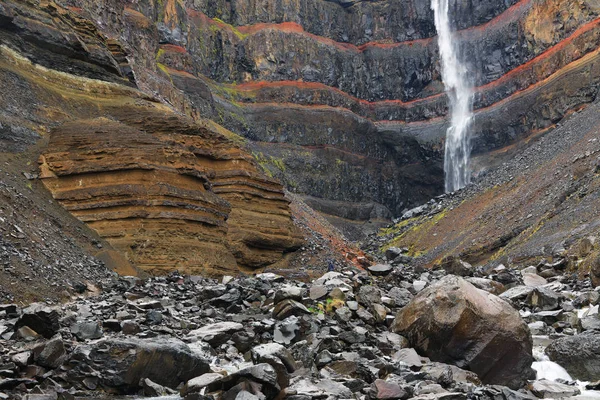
[172,127]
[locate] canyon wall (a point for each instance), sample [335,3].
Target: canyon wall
[167,191]
[342,100]
[339,100]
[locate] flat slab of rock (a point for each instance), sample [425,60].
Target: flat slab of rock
[122,363]
[533,280]
[217,333]
[454,322]
[380,269]
[552,390]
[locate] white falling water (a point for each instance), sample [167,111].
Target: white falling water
[458,89]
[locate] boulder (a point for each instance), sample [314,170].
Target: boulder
[50,354]
[579,355]
[41,318]
[217,333]
[454,322]
[122,364]
[552,390]
[455,266]
[86,330]
[380,269]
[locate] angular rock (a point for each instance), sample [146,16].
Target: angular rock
[408,356]
[455,266]
[579,355]
[368,295]
[198,383]
[41,318]
[552,390]
[382,390]
[543,298]
[454,322]
[278,357]
[217,333]
[50,354]
[380,269]
[533,280]
[488,285]
[401,296]
[125,362]
[318,292]
[86,330]
[288,308]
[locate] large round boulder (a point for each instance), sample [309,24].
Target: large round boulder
[455,323]
[579,355]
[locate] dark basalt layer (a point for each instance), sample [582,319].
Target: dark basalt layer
[343,101]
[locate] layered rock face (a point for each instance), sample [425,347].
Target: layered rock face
[167,191]
[342,100]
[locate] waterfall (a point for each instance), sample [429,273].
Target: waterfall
[458,89]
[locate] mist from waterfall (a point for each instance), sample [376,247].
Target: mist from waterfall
[454,74]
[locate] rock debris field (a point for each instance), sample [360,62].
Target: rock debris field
[391,332]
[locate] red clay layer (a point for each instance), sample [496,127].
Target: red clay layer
[510,14]
[251,86]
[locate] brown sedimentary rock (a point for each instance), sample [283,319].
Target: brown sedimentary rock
[169,194]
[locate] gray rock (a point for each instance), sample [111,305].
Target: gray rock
[343,314]
[533,280]
[86,330]
[579,355]
[401,296]
[543,298]
[41,318]
[198,383]
[217,333]
[50,354]
[408,356]
[368,295]
[318,292]
[278,357]
[285,331]
[288,292]
[552,390]
[126,362]
[380,269]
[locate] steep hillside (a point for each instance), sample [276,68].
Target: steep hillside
[164,190]
[343,100]
[541,204]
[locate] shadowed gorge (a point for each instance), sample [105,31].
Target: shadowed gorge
[277,75]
